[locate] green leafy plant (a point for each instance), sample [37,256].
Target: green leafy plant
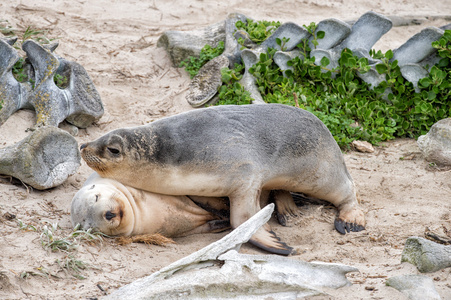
[26,227]
[232,92]
[50,239]
[61,81]
[258,30]
[193,64]
[19,68]
[282,43]
[73,266]
[350,107]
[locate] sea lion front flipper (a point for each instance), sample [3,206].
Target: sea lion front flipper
[285,206]
[267,240]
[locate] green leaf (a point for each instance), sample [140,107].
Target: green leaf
[320,34]
[325,61]
[431,95]
[389,54]
[381,68]
[425,82]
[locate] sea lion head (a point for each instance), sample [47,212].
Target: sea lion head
[104,208]
[106,154]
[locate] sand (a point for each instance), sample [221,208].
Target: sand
[115,41]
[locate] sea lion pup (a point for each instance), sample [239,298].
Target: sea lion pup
[110,207]
[233,151]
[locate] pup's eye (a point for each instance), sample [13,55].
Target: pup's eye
[113,150]
[109,215]
[97,198]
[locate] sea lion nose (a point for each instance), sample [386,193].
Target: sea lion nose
[109,215]
[83,146]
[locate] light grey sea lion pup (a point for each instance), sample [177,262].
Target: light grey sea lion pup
[118,210]
[233,151]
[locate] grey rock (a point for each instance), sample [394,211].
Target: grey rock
[426,255]
[332,55]
[180,45]
[436,144]
[247,42]
[13,95]
[372,77]
[289,30]
[232,49]
[335,32]
[413,73]
[206,83]
[368,29]
[418,47]
[281,58]
[250,58]
[415,287]
[44,159]
[219,272]
[79,103]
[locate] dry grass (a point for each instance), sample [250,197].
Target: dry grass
[152,239]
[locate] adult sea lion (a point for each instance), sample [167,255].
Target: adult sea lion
[233,151]
[118,210]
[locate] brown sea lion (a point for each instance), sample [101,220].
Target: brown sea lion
[110,207]
[233,151]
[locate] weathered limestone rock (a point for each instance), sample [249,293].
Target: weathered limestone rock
[219,272]
[415,57]
[418,47]
[426,255]
[413,73]
[281,58]
[44,159]
[180,45]
[79,103]
[362,146]
[206,83]
[368,29]
[436,144]
[415,287]
[290,31]
[232,50]
[335,32]
[13,95]
[250,58]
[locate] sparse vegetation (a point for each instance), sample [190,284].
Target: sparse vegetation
[20,67]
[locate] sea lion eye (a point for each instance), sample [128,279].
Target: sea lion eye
[97,198]
[109,215]
[113,150]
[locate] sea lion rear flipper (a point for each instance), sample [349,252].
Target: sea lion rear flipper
[218,225]
[344,227]
[267,240]
[349,219]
